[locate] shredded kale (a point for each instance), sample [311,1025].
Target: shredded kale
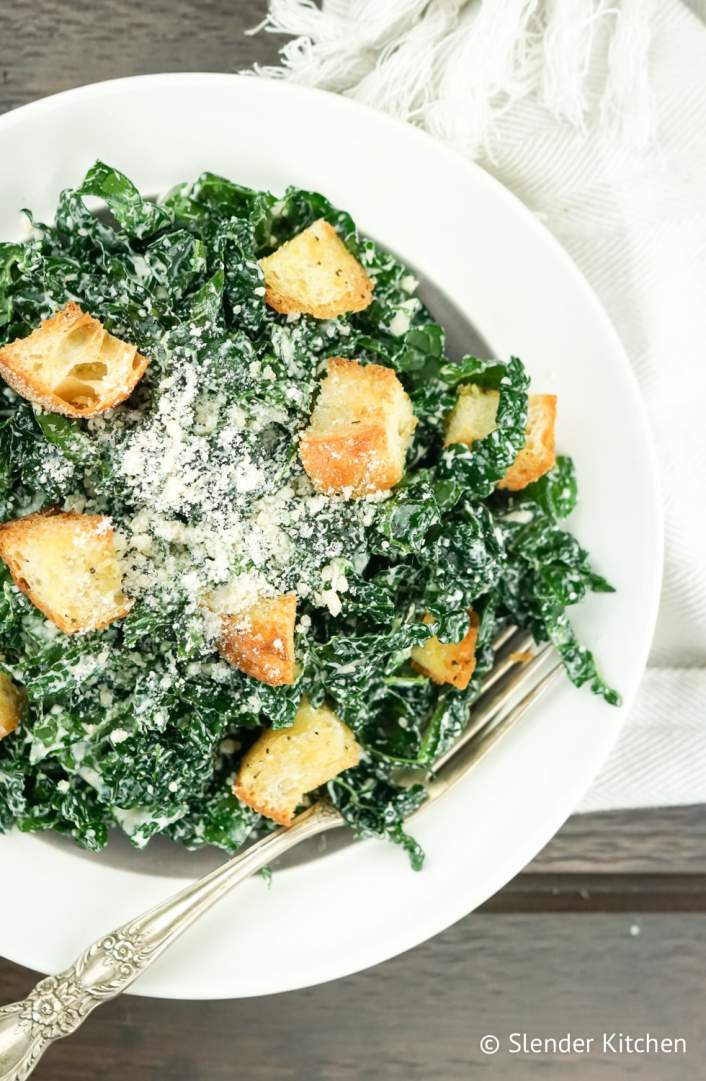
[142,726]
[556,492]
[547,571]
[473,472]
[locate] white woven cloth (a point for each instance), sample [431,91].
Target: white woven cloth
[594,113]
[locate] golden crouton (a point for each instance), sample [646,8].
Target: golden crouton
[71,365]
[538,455]
[314,273]
[359,431]
[12,702]
[260,640]
[448,662]
[473,417]
[67,565]
[283,765]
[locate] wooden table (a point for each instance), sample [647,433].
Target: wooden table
[604,932]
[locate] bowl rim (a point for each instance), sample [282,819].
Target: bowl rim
[399,132]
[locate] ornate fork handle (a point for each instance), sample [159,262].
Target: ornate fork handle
[59,1004]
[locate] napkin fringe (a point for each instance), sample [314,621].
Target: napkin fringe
[593,113]
[454,66]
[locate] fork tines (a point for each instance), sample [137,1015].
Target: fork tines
[516,672]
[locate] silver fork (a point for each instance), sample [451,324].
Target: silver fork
[59,1004]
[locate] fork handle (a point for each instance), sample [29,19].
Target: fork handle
[58,1005]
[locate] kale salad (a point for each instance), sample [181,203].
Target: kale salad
[287,509]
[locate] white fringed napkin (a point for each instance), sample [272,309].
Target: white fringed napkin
[594,113]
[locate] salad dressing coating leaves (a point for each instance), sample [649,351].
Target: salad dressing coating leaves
[142,725]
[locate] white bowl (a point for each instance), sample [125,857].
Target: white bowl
[360,905]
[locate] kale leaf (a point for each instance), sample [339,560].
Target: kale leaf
[555,492]
[142,726]
[138,217]
[474,471]
[547,572]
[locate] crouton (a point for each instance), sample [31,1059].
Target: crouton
[359,431]
[260,640]
[448,662]
[67,565]
[284,764]
[314,273]
[473,417]
[538,455]
[12,701]
[71,365]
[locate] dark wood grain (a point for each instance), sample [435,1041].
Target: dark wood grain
[49,45]
[422,1014]
[647,841]
[600,893]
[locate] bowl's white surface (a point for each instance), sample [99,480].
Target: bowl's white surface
[362,905]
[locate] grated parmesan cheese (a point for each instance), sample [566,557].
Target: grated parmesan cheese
[218,511]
